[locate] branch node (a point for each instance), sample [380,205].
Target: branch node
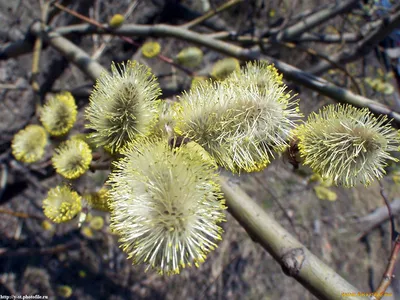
[292,261]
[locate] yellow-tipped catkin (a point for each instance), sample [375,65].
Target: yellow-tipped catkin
[260,73]
[72,158]
[123,105]
[347,145]
[97,223]
[151,49]
[99,200]
[190,57]
[64,291]
[166,205]
[116,21]
[58,115]
[224,67]
[62,204]
[29,143]
[240,125]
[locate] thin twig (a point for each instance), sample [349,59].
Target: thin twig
[79,16]
[388,275]
[41,251]
[124,38]
[3,178]
[376,218]
[99,51]
[210,14]
[7,86]
[391,217]
[21,214]
[381,29]
[315,83]
[318,17]
[326,58]
[37,48]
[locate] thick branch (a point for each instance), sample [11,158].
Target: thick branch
[296,260]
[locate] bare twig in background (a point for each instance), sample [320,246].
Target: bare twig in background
[278,202]
[3,179]
[313,20]
[376,218]
[305,37]
[211,13]
[124,38]
[388,275]
[363,47]
[100,50]
[37,48]
[315,83]
[41,251]
[72,52]
[391,217]
[326,58]
[21,214]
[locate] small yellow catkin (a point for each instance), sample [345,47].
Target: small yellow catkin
[58,115]
[151,49]
[64,291]
[29,143]
[72,158]
[116,21]
[99,200]
[61,204]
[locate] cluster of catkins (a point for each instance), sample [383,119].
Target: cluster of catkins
[165,200]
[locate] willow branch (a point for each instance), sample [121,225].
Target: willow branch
[388,275]
[295,259]
[371,221]
[211,13]
[315,83]
[332,91]
[72,52]
[39,251]
[363,47]
[313,20]
[329,38]
[21,214]
[305,37]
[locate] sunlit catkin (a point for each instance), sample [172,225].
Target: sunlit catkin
[122,105]
[346,144]
[58,115]
[240,125]
[61,204]
[166,205]
[29,143]
[72,158]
